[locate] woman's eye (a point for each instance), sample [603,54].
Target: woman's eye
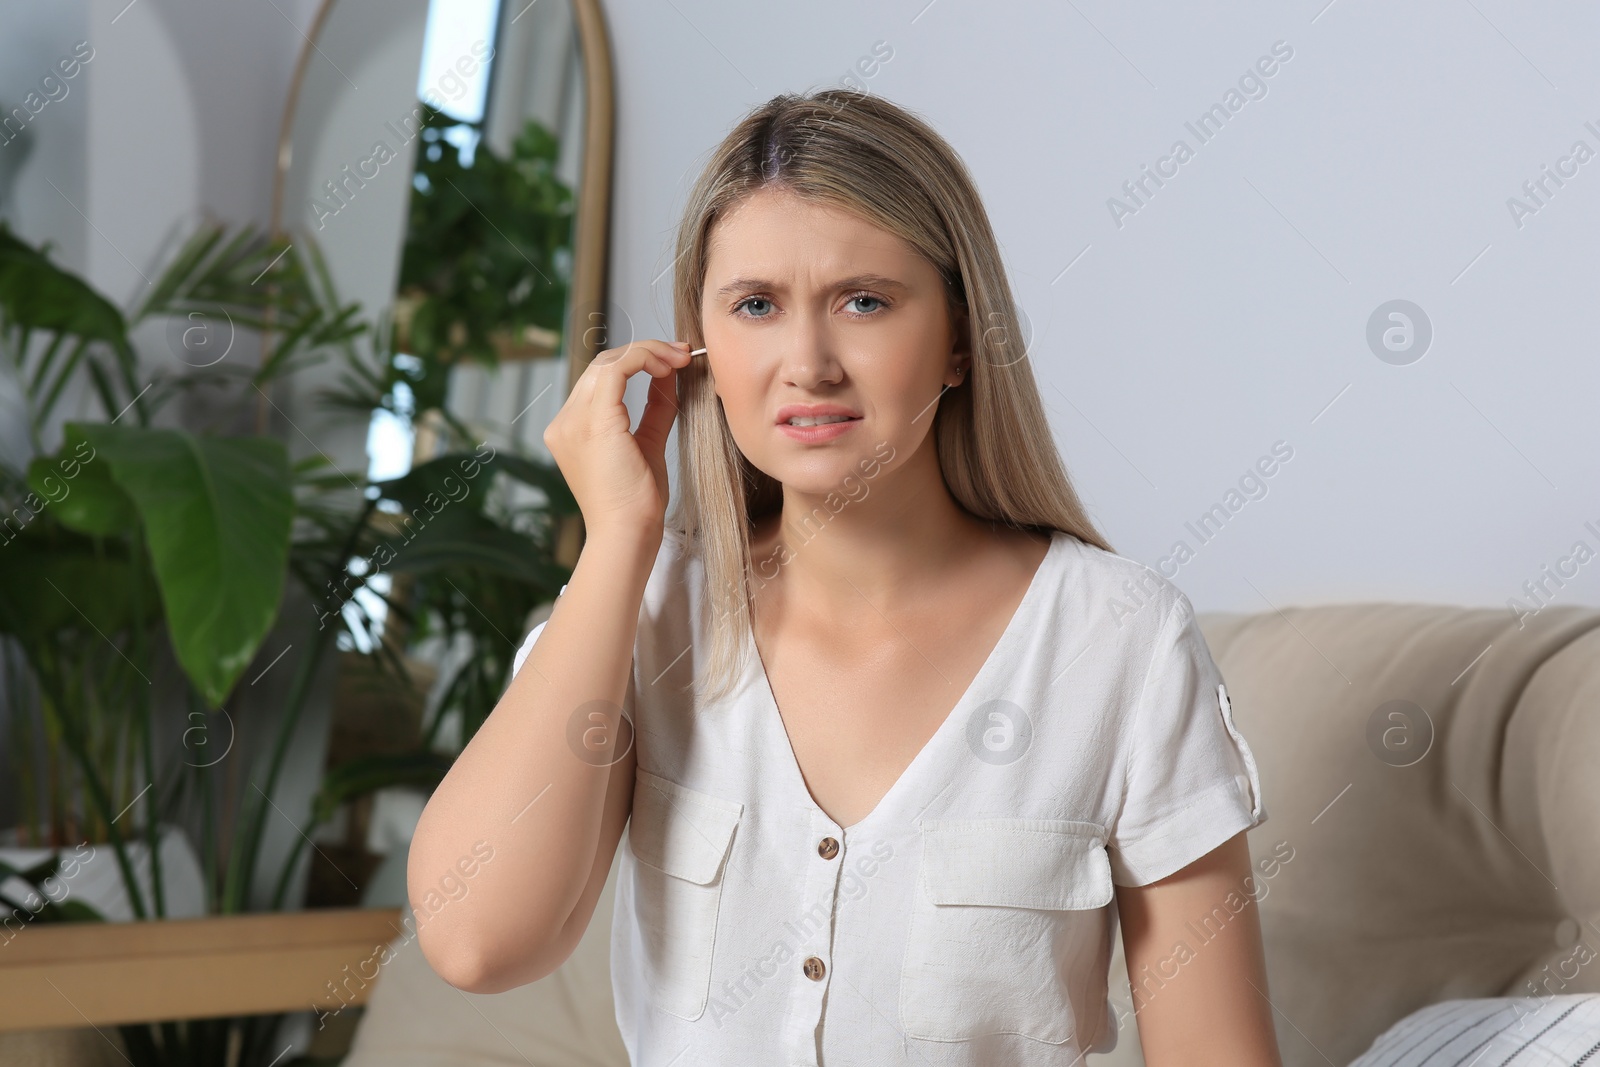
[861,305]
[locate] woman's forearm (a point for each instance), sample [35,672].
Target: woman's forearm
[519,792]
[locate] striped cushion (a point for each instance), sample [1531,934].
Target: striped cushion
[1554,1031]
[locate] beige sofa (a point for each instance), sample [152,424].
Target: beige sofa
[1465,864]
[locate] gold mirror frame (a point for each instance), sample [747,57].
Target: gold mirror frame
[586,298]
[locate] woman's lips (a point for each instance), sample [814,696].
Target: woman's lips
[826,431]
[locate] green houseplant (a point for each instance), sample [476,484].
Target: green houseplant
[127,544]
[488,250]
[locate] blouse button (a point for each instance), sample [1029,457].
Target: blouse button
[814,968]
[828,849]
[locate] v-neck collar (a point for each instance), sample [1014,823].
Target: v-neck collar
[762,686]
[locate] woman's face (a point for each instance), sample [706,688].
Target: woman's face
[809,306]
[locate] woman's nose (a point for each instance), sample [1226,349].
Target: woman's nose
[810,358]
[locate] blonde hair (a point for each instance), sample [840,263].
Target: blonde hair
[848,149]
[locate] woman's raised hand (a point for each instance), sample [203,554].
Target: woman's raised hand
[618,476]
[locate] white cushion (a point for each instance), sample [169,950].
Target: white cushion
[1553,1031]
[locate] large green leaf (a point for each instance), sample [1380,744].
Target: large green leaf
[81,493]
[217,514]
[66,583]
[37,294]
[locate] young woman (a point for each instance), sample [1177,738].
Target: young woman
[896,737]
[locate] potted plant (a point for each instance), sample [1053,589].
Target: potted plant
[487,258]
[133,553]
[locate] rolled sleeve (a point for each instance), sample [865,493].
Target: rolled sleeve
[1191,779]
[527,644]
[630,696]
[526,649]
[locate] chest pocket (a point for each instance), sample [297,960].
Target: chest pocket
[1007,920]
[681,838]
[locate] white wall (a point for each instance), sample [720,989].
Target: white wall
[186,101]
[33,40]
[1230,312]
[43,143]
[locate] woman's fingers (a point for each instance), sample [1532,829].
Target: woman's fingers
[617,476]
[611,369]
[660,408]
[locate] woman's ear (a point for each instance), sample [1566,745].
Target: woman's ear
[961,331]
[961,343]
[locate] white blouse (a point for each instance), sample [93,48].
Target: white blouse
[967,921]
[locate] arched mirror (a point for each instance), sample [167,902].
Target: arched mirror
[451,161]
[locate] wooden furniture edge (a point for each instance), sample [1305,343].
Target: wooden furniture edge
[98,974]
